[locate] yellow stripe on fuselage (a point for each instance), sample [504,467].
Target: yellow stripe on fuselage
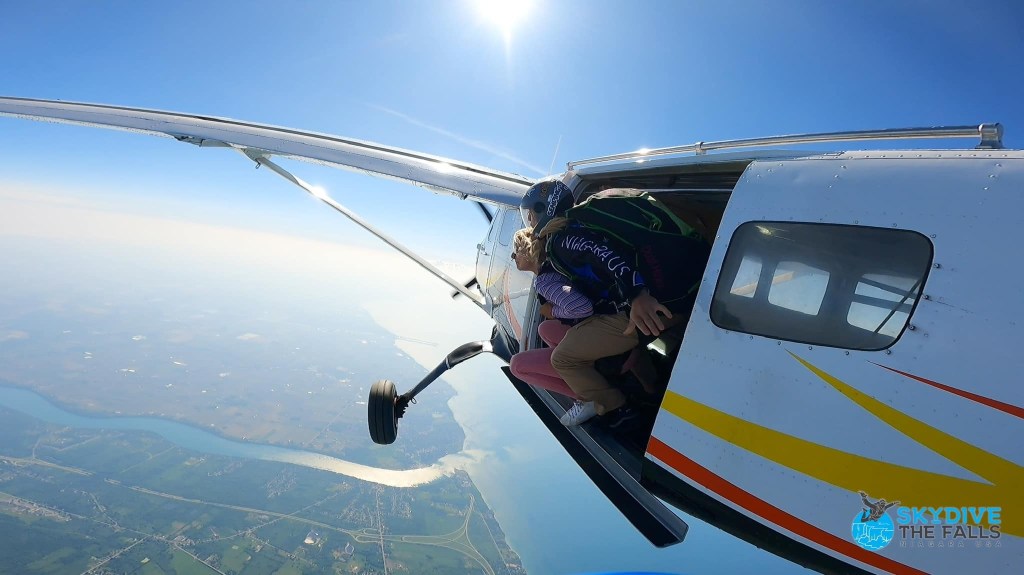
[912,487]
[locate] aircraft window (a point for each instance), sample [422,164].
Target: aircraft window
[885,303]
[746,278]
[495,226]
[798,287]
[843,286]
[509,226]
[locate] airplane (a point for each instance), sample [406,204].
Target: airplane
[852,346]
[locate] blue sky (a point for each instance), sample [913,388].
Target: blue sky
[583,77]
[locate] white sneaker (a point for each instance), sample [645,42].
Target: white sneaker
[578,413]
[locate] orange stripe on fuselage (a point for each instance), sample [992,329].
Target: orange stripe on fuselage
[753,504]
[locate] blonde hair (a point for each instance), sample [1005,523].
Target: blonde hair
[555,225]
[524,243]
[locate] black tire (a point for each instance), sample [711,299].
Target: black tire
[381,411]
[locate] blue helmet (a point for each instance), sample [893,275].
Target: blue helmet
[544,201]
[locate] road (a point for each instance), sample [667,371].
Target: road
[457,540]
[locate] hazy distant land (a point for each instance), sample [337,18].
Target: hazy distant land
[249,363]
[115,502]
[248,352]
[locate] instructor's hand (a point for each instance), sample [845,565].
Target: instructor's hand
[643,315]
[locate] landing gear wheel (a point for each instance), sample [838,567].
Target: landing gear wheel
[381,408]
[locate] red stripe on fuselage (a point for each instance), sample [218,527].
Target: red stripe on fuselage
[753,504]
[986,401]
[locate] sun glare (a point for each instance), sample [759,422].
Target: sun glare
[319,192]
[506,14]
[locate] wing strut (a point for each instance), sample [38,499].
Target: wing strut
[261,159]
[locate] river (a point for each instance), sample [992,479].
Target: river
[195,439]
[525,482]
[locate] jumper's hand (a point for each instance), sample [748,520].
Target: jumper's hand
[547,310]
[643,315]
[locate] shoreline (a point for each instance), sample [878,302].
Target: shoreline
[442,461]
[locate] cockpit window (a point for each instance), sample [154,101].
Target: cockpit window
[843,286]
[509,226]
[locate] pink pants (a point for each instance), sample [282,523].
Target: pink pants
[534,366]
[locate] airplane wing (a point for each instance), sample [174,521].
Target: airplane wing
[432,172]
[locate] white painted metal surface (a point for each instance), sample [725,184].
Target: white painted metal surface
[432,172]
[753,415]
[990,137]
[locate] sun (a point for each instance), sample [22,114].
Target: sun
[506,14]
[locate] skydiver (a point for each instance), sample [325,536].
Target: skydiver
[563,307]
[609,273]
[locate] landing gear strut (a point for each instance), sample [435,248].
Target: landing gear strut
[385,407]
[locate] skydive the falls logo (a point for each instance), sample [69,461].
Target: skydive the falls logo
[872,528]
[942,527]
